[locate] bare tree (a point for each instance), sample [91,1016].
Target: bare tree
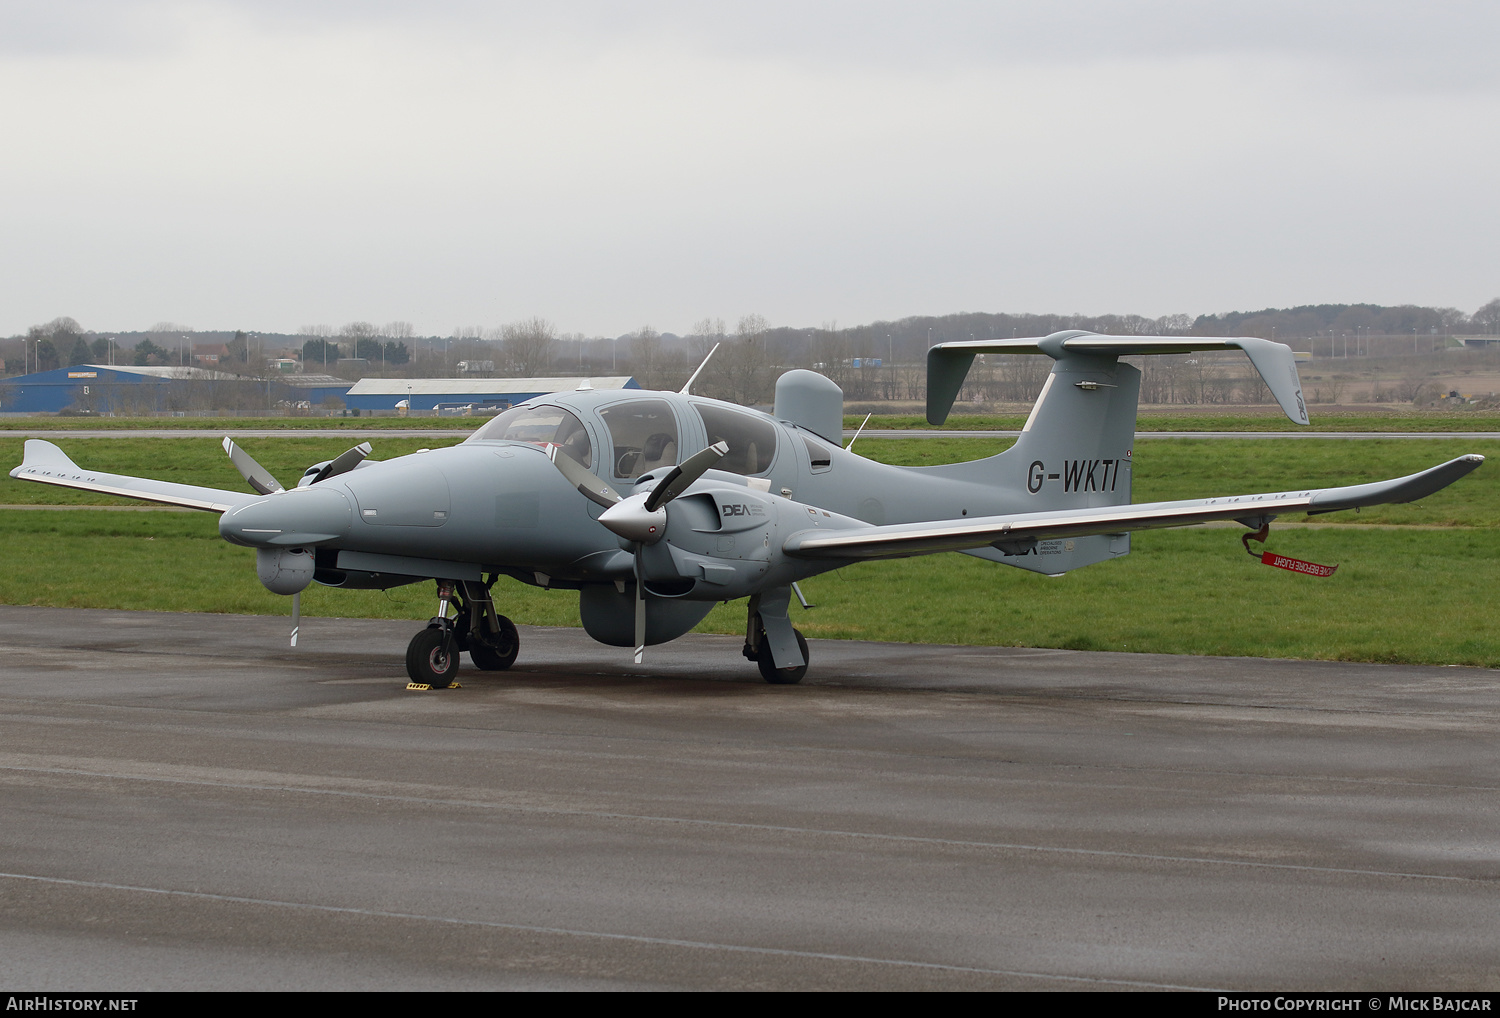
[706,334]
[528,347]
[747,363]
[645,356]
[1487,318]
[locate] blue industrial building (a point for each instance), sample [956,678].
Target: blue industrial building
[140,391]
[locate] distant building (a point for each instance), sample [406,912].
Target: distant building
[210,354]
[100,388]
[313,389]
[132,390]
[484,394]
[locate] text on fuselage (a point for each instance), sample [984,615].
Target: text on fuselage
[1076,475]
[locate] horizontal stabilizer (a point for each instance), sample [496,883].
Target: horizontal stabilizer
[905,539]
[47,464]
[948,363]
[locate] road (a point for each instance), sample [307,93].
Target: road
[190,804]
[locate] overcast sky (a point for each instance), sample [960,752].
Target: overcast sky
[265,165]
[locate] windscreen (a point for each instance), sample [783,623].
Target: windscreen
[544,426]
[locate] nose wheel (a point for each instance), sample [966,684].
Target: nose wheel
[432,657]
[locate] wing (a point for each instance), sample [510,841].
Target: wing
[46,463]
[904,539]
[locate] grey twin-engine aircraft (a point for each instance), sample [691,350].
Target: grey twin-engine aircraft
[656,505]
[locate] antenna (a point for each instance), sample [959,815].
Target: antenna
[861,429]
[685,389]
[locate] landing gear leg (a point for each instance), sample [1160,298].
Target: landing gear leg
[778,650]
[491,638]
[432,655]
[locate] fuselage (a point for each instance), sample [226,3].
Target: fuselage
[498,504]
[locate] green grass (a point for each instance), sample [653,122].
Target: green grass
[1151,419]
[1179,468]
[187,461]
[1169,468]
[1322,420]
[43,423]
[1419,593]
[1420,596]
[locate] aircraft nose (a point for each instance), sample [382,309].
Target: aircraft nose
[294,518]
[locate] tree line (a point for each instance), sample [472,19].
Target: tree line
[882,360]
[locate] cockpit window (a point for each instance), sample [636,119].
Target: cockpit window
[542,425]
[752,440]
[642,434]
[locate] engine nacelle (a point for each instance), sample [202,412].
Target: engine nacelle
[284,570]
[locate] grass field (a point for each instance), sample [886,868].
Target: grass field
[1268,418]
[1272,421]
[1420,588]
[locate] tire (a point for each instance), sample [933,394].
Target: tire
[496,659]
[781,676]
[432,658]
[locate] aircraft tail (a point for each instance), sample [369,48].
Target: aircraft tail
[1074,453]
[1076,446]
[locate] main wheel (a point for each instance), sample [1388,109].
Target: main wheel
[781,676]
[432,658]
[501,656]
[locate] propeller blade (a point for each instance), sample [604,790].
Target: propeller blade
[640,609]
[258,477]
[296,615]
[683,475]
[343,462]
[582,478]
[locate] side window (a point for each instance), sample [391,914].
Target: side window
[752,440]
[818,455]
[643,436]
[544,425]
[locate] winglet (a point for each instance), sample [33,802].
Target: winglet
[1400,489]
[43,456]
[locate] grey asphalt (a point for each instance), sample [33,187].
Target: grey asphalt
[190,804]
[378,433]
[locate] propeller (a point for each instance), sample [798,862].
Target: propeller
[260,479]
[256,475]
[343,462]
[581,477]
[641,518]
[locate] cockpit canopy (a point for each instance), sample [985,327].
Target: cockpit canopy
[638,435]
[544,426]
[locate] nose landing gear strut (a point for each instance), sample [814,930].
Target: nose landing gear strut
[490,638]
